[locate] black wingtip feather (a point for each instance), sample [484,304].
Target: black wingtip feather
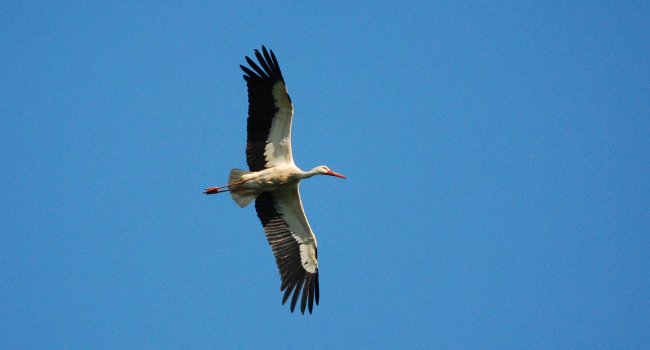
[267,58]
[249,73]
[287,293]
[296,294]
[275,60]
[264,63]
[258,70]
[305,295]
[316,290]
[311,292]
[266,67]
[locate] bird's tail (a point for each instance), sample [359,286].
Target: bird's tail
[241,196]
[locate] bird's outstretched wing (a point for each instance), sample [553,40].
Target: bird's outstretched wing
[269,113]
[293,243]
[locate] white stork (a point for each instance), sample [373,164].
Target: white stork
[273,181]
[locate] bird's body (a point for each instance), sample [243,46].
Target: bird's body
[273,180]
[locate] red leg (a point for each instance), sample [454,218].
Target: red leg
[213,190]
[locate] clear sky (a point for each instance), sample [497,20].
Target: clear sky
[498,156]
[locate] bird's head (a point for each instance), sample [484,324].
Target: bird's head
[325,170]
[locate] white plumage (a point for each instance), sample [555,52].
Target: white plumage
[273,180]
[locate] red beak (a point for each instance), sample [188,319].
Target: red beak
[334,173]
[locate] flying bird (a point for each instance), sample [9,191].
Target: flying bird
[273,181]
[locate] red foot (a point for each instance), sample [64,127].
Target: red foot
[211,190]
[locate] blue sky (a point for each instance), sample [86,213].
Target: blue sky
[497,153]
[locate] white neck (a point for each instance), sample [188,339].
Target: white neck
[309,173]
